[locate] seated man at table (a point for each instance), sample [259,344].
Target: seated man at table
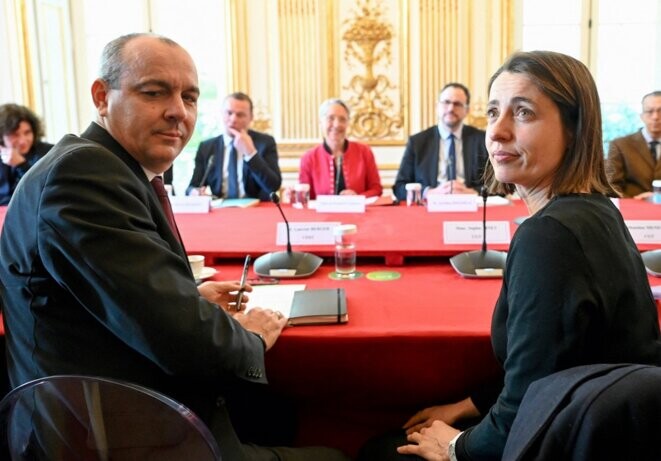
[634,161]
[448,158]
[95,279]
[239,163]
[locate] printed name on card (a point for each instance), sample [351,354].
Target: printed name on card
[462,232]
[340,204]
[306,233]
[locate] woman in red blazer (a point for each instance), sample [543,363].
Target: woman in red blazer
[339,166]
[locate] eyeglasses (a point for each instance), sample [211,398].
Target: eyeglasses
[652,111]
[455,104]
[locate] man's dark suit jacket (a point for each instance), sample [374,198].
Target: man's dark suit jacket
[96,283]
[420,161]
[261,175]
[590,412]
[630,166]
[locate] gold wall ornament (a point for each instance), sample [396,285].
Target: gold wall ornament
[368,42]
[261,120]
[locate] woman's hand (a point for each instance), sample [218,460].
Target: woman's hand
[430,443]
[449,414]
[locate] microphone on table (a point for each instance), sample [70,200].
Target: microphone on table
[480,263]
[207,170]
[286,264]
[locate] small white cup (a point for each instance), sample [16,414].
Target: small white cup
[196,264]
[301,195]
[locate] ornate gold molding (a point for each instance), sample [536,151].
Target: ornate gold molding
[368,41]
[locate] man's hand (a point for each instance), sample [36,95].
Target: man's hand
[242,141]
[452,187]
[643,196]
[224,294]
[265,322]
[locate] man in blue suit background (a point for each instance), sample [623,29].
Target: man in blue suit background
[239,163]
[449,157]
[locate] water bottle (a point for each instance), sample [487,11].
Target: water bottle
[345,250]
[656,191]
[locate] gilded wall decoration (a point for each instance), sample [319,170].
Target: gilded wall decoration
[368,43]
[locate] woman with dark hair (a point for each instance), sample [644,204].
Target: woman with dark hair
[20,146]
[575,291]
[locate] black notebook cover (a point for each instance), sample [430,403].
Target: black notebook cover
[322,306]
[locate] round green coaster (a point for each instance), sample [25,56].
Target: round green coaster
[383,276]
[335,276]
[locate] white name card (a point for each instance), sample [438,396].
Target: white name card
[461,232]
[341,203]
[451,202]
[645,231]
[190,204]
[306,233]
[616,202]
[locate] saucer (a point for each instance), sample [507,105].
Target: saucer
[206,273]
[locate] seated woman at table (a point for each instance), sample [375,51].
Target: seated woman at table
[575,290]
[339,166]
[20,146]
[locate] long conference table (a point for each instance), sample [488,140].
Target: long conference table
[415,341]
[419,340]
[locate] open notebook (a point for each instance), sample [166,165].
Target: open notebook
[301,306]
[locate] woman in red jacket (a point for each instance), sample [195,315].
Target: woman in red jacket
[339,166]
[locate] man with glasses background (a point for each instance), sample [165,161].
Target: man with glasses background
[449,157]
[634,161]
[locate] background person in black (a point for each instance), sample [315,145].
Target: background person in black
[20,146]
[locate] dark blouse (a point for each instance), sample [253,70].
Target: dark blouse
[575,292]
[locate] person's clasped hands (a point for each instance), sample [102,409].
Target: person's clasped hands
[455,186]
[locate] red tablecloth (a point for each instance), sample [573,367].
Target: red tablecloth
[391,232]
[420,340]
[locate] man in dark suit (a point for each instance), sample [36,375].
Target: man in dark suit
[239,163]
[449,157]
[95,279]
[634,161]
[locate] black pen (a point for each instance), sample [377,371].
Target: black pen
[242,287]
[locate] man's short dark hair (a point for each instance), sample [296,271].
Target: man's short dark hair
[239,96]
[461,87]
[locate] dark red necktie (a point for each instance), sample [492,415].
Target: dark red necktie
[162,194]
